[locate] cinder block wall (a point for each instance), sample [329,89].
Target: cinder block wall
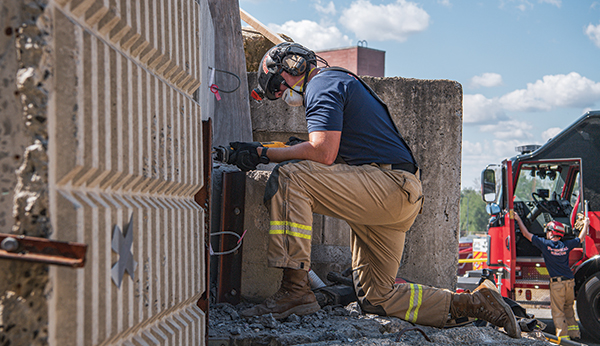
[429,116]
[101,113]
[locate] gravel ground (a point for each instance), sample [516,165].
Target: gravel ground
[348,326]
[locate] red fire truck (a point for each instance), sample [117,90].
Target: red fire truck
[544,183]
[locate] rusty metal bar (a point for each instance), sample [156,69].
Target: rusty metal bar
[232,220]
[203,199]
[42,250]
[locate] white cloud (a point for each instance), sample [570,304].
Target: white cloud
[487,80]
[480,110]
[570,90]
[522,5]
[313,35]
[469,148]
[549,133]
[475,157]
[509,129]
[506,149]
[593,32]
[445,3]
[556,3]
[395,21]
[328,9]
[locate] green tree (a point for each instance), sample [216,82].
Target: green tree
[473,217]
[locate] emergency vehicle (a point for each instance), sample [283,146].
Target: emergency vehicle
[545,183]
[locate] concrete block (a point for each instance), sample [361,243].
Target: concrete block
[335,232]
[258,280]
[318,221]
[330,258]
[13,138]
[229,56]
[428,114]
[101,142]
[255,47]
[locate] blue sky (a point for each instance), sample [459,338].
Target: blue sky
[528,68]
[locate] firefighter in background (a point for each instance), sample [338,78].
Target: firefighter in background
[376,189]
[562,282]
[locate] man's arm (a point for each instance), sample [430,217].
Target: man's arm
[584,229]
[524,229]
[322,146]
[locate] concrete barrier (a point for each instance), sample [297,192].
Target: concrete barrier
[428,113]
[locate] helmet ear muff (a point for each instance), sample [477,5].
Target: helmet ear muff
[292,58]
[294,64]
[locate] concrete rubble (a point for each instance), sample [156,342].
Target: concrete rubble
[336,325]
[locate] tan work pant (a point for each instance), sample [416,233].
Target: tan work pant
[380,205]
[562,296]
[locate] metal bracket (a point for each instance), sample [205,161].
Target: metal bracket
[42,250]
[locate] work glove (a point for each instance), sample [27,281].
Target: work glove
[245,156]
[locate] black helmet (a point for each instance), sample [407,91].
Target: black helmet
[292,58]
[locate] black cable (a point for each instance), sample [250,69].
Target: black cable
[321,60]
[226,91]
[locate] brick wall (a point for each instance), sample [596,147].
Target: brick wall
[360,60]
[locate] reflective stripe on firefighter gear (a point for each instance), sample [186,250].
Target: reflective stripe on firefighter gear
[416,297]
[356,194]
[291,228]
[562,297]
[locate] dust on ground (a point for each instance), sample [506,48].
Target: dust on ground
[339,325]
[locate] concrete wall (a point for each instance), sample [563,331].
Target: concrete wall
[429,115]
[233,108]
[104,106]
[12,141]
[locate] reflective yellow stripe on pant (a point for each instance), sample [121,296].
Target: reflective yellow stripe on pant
[380,205]
[292,229]
[416,298]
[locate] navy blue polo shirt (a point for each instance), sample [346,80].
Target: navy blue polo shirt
[556,254]
[337,101]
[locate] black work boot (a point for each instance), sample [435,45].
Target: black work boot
[487,304]
[294,297]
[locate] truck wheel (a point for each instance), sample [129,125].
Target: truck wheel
[588,305]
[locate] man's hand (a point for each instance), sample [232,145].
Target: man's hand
[584,228]
[517,217]
[522,227]
[245,156]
